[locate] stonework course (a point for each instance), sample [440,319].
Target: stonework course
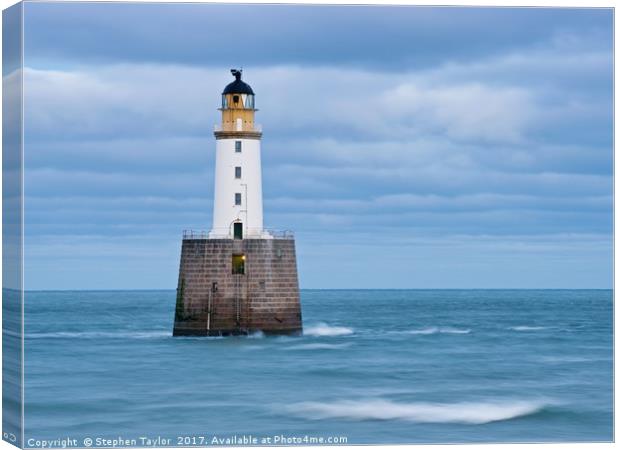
[212,300]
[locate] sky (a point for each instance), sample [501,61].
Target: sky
[407,147]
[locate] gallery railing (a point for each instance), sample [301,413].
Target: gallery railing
[266,234]
[281,234]
[191,234]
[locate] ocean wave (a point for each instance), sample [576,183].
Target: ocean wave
[253,347]
[527,328]
[435,330]
[319,346]
[474,413]
[99,335]
[572,359]
[322,329]
[256,335]
[285,338]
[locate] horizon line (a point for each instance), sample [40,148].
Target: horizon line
[341,289]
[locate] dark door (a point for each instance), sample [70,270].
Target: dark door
[238,230]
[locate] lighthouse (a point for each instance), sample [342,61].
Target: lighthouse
[238,278]
[238,198]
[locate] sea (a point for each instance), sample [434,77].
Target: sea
[372,366]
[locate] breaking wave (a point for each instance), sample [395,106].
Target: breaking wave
[256,335]
[435,330]
[99,335]
[474,413]
[126,335]
[322,329]
[527,328]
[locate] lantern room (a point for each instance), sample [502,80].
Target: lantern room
[238,105]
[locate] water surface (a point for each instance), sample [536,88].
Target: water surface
[385,366]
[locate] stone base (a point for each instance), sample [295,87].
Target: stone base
[212,301]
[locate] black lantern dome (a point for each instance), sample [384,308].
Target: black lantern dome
[237,86]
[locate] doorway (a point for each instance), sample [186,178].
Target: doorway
[238,230]
[238,264]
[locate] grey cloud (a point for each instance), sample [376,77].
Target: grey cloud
[346,36]
[479,157]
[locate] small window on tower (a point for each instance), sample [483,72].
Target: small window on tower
[237,172]
[237,146]
[235,99]
[237,199]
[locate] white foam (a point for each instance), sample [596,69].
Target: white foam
[322,329]
[430,330]
[256,335]
[99,334]
[319,346]
[377,409]
[435,330]
[527,328]
[451,330]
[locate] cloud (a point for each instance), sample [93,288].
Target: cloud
[120,101]
[428,139]
[503,145]
[368,37]
[471,111]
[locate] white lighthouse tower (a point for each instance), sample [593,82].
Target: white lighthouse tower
[238,195]
[240,278]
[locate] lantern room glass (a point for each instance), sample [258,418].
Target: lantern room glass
[249,102]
